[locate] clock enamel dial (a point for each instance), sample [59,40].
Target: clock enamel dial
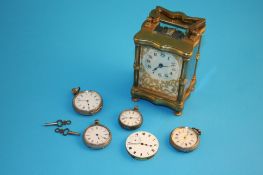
[160,65]
[142,145]
[86,102]
[185,139]
[97,136]
[131,119]
[160,71]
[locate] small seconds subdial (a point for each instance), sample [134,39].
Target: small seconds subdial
[86,102]
[185,139]
[142,145]
[97,136]
[161,65]
[131,119]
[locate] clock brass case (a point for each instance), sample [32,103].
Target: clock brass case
[193,147]
[184,44]
[75,92]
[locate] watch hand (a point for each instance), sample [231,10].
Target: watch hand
[185,135]
[136,143]
[124,117]
[132,143]
[159,66]
[83,100]
[98,136]
[155,68]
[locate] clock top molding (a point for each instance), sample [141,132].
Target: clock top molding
[188,32]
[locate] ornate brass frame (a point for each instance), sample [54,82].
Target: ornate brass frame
[184,47]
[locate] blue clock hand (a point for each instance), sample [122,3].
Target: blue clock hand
[159,66]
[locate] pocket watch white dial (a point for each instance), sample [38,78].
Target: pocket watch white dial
[131,119]
[161,65]
[185,139]
[86,102]
[142,145]
[97,136]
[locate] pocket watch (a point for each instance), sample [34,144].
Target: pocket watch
[142,145]
[97,136]
[185,139]
[86,102]
[131,119]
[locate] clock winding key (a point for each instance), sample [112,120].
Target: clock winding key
[58,123]
[66,132]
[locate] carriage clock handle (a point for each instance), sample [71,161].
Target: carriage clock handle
[192,25]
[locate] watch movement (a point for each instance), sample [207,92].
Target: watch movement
[142,145]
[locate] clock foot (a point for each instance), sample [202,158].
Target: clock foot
[178,113]
[135,99]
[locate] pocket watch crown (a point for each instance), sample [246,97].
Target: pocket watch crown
[96,122]
[197,130]
[75,90]
[136,108]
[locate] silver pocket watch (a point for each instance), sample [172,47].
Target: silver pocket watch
[86,102]
[97,136]
[131,119]
[185,139]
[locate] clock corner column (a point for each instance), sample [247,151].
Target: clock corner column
[136,67]
[180,97]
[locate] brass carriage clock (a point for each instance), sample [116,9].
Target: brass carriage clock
[167,50]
